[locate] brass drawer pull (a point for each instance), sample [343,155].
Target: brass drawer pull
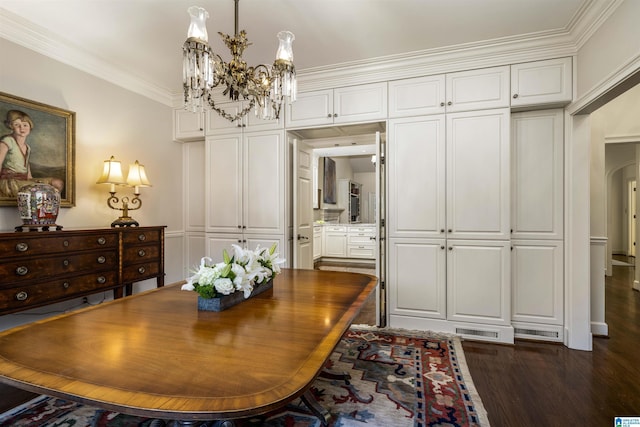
[102,240]
[65,243]
[142,237]
[65,285]
[141,270]
[101,279]
[141,252]
[22,296]
[101,259]
[22,271]
[22,247]
[65,262]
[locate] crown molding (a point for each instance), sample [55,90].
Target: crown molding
[24,33]
[481,54]
[622,139]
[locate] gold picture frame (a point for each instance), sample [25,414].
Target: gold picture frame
[52,147]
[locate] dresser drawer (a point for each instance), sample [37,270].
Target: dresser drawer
[23,297]
[136,254]
[45,267]
[30,245]
[368,252]
[133,237]
[137,272]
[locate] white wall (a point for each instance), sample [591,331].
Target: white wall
[109,121]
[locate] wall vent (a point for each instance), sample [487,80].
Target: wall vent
[536,333]
[477,333]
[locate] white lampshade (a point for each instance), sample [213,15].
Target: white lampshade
[137,176]
[111,173]
[285,48]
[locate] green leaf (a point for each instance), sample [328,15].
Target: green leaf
[225,256]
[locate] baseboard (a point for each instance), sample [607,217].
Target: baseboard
[600,329]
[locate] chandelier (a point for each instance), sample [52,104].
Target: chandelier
[262,87]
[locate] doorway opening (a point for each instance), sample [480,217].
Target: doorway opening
[338,202]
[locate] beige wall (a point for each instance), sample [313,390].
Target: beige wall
[109,121]
[613,46]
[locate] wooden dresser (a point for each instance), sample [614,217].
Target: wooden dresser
[40,268]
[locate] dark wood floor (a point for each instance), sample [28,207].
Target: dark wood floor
[537,384]
[547,385]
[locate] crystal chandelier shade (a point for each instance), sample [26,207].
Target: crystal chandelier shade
[261,87]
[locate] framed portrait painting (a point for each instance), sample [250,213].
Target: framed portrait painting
[37,144]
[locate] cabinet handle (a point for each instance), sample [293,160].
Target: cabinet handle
[239,241]
[141,270]
[101,279]
[101,259]
[450,248]
[329,115]
[335,114]
[239,227]
[442,104]
[442,247]
[22,270]
[102,240]
[22,247]
[449,103]
[65,243]
[65,263]
[65,285]
[442,230]
[449,231]
[142,237]
[515,96]
[141,252]
[372,238]
[22,295]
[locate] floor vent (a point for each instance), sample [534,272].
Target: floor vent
[536,333]
[476,333]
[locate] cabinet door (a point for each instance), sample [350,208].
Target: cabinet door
[252,241]
[417,97]
[416,172]
[478,89]
[537,174]
[217,243]
[537,281]
[194,159]
[224,184]
[317,242]
[264,182]
[541,82]
[310,109]
[478,279]
[335,242]
[187,126]
[360,103]
[218,125]
[478,175]
[417,277]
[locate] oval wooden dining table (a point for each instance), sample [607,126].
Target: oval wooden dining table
[155,355]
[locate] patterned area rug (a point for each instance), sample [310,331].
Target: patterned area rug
[398,378]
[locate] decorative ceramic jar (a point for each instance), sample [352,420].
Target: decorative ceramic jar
[38,204]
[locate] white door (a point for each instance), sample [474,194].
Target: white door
[302,205]
[379,217]
[478,175]
[632,218]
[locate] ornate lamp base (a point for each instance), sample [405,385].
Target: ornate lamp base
[125,221]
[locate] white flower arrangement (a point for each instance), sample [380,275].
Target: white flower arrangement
[242,272]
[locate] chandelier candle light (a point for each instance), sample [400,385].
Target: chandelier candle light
[137,177]
[263,87]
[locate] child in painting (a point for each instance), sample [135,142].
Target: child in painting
[14,156]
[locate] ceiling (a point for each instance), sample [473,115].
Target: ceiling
[142,39]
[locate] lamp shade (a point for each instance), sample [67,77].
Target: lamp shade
[137,176]
[285,46]
[111,173]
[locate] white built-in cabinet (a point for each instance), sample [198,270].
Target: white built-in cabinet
[187,125]
[537,222]
[351,104]
[448,188]
[541,83]
[218,125]
[317,242]
[475,239]
[484,88]
[245,190]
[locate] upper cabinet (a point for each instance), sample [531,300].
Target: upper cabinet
[352,104]
[187,126]
[218,125]
[477,89]
[541,83]
[481,89]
